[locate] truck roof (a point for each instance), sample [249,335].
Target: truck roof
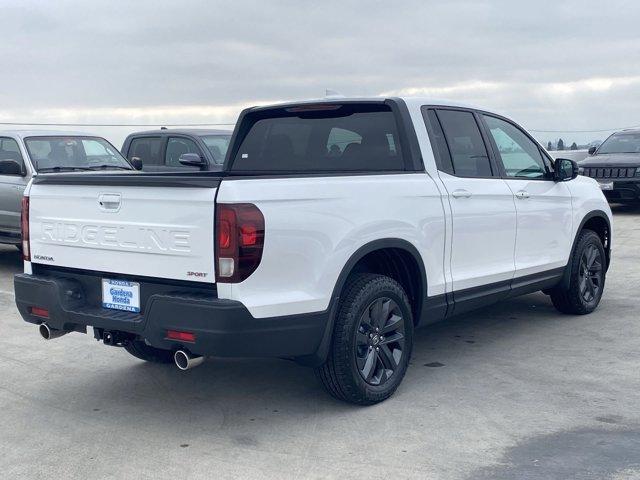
[409,100]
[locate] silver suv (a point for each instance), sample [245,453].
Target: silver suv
[25,153]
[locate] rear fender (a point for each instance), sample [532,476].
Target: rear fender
[321,354]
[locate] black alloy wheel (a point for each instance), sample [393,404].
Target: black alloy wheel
[581,292]
[590,273]
[371,342]
[379,341]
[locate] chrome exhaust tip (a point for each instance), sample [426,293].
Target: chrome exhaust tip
[49,333]
[185,360]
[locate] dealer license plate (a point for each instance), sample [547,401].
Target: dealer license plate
[121,295]
[606,185]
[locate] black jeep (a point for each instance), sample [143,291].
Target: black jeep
[615,164]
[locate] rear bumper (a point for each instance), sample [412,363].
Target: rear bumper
[223,328]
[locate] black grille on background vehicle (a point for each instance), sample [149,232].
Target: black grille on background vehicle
[609,172]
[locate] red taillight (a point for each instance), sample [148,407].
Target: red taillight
[240,235]
[248,235]
[40,312]
[24,226]
[182,336]
[225,225]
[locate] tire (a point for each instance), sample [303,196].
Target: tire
[363,367]
[141,350]
[587,277]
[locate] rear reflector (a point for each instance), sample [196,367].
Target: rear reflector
[40,312]
[24,226]
[182,336]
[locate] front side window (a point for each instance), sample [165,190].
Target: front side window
[621,143]
[468,151]
[74,153]
[520,156]
[146,149]
[317,138]
[217,146]
[10,152]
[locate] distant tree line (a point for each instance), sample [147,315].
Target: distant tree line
[560,145]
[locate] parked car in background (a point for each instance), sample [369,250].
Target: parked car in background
[25,153]
[615,164]
[177,150]
[336,227]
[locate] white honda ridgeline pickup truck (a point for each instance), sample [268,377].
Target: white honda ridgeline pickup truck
[335,228]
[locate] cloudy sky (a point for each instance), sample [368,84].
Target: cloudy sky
[558,65]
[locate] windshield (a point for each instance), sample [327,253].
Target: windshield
[621,143]
[217,145]
[74,153]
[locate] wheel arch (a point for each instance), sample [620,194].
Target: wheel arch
[378,249]
[413,261]
[597,221]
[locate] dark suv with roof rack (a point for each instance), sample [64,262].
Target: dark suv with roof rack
[174,150]
[615,164]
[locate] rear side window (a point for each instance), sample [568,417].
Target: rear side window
[349,137]
[146,149]
[468,151]
[443,157]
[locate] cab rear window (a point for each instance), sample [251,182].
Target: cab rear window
[320,138]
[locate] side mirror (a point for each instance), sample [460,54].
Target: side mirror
[192,160]
[565,170]
[592,150]
[10,167]
[136,162]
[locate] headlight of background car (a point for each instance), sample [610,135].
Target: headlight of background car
[637,172]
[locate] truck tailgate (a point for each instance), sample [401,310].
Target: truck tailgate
[155,228]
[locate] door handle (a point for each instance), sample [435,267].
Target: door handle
[460,193]
[109,202]
[522,194]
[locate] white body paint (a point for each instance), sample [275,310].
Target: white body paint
[313,225]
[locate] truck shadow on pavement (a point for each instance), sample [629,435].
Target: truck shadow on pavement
[246,403]
[264,388]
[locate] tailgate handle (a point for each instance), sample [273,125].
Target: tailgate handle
[109,201]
